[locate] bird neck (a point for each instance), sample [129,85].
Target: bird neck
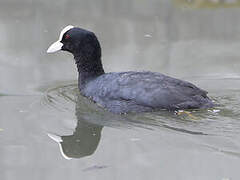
[89,67]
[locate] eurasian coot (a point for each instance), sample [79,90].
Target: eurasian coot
[123,92]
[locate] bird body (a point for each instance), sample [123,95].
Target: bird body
[144,91]
[125,92]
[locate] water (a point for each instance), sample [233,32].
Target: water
[48,131]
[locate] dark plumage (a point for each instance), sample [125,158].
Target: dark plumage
[126,91]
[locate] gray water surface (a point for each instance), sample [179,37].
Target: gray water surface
[49,131]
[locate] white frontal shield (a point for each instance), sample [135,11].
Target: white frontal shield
[57,46]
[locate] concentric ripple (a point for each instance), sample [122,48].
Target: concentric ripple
[223,120]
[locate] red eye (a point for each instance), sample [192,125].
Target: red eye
[67,36]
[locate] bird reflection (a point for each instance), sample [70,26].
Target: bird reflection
[90,121]
[86,136]
[83,142]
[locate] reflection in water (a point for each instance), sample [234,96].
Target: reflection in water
[85,139]
[90,121]
[83,142]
